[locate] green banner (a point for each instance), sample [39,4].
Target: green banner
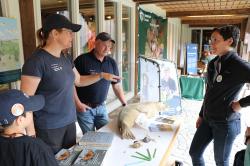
[152,35]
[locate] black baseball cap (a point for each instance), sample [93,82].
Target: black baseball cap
[14,103]
[104,36]
[55,21]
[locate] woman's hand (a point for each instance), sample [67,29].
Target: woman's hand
[236,106]
[198,122]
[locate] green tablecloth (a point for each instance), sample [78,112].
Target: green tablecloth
[192,87]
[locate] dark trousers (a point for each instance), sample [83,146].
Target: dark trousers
[59,138]
[239,158]
[222,134]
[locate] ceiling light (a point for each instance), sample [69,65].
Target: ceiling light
[108,17]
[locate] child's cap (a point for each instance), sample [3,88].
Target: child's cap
[14,103]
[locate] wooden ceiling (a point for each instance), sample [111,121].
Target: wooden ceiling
[198,13]
[86,7]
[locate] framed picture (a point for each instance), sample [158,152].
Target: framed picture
[4,87]
[10,66]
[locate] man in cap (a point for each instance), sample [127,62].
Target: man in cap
[91,109]
[16,148]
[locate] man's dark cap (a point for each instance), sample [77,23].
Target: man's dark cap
[104,36]
[56,21]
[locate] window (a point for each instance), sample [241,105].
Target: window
[88,22]
[126,48]
[110,27]
[1,10]
[110,23]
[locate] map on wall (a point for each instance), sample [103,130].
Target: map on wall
[9,51]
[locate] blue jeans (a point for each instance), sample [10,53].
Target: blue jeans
[92,119]
[223,134]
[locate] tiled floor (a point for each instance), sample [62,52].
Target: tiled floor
[189,115]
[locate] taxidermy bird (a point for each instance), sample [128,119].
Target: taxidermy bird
[129,114]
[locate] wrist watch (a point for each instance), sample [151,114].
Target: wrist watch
[124,104]
[100,75]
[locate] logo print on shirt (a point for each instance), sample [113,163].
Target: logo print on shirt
[92,71]
[56,67]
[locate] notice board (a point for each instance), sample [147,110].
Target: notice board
[192,58]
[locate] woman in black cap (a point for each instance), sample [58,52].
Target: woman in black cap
[51,72]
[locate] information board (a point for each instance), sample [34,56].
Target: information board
[192,58]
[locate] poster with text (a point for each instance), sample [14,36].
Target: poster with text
[169,87]
[152,35]
[150,80]
[192,58]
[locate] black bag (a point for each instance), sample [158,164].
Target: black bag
[239,158]
[178,163]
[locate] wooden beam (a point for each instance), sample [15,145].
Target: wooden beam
[155,1]
[209,25]
[212,22]
[28,27]
[209,12]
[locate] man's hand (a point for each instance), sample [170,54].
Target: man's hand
[82,107]
[109,77]
[236,106]
[198,122]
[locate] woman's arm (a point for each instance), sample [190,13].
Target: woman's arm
[29,85]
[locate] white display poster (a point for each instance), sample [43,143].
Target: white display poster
[169,86]
[159,82]
[149,80]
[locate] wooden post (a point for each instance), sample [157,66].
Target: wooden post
[28,27]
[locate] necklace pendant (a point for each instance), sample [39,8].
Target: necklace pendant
[219,78]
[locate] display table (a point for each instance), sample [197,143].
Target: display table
[119,154]
[192,87]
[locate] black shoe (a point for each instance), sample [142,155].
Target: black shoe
[178,163]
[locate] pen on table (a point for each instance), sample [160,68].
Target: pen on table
[140,158]
[149,155]
[154,153]
[143,155]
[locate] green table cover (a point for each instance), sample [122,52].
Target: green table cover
[192,87]
[247,155]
